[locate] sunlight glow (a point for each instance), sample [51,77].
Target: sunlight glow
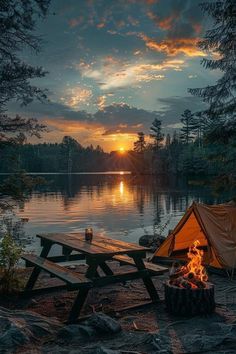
[121,188]
[122,150]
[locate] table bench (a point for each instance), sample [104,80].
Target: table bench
[95,254]
[154,269]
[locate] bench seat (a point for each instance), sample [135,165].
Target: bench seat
[153,268]
[73,280]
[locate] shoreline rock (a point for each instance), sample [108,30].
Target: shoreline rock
[152,241]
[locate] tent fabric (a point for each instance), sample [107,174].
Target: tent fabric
[214,226]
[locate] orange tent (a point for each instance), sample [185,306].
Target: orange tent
[214,226]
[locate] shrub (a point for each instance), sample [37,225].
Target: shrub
[10,254]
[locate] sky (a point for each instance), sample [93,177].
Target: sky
[116,65]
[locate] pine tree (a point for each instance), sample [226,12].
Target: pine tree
[188,129]
[175,138]
[17,33]
[140,144]
[157,134]
[220,41]
[168,140]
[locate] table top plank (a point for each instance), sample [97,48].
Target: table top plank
[100,245]
[112,244]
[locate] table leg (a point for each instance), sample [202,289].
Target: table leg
[106,269]
[78,304]
[147,280]
[83,293]
[92,269]
[36,271]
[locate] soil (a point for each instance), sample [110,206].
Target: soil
[139,324]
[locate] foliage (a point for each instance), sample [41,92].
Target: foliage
[156,134]
[188,129]
[10,254]
[17,25]
[220,41]
[140,144]
[218,120]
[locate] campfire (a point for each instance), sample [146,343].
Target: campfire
[188,292]
[193,274]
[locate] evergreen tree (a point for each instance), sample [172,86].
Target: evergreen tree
[188,129]
[200,124]
[69,146]
[175,138]
[220,40]
[157,134]
[140,144]
[168,140]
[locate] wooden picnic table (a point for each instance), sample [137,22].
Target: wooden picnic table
[96,254]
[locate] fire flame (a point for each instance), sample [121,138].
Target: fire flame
[193,274]
[195,266]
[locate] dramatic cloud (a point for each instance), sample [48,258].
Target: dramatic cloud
[175,46]
[113,73]
[76,96]
[109,61]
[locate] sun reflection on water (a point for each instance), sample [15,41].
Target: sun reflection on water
[121,188]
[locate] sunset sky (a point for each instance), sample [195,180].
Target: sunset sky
[116,65]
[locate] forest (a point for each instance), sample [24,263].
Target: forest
[194,150]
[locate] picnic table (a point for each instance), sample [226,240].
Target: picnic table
[96,254]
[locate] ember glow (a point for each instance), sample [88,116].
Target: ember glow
[193,274]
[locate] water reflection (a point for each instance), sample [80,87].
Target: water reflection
[123,206]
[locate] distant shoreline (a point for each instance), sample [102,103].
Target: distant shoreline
[73,173]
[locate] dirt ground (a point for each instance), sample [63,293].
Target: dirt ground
[151,319]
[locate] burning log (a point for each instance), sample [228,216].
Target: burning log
[187,292]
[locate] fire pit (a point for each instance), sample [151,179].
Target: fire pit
[188,292]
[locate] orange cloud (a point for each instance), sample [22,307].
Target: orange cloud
[88,133]
[165,23]
[172,47]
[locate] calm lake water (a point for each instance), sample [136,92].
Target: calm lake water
[118,205]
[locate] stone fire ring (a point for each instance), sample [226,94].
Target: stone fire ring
[189,302]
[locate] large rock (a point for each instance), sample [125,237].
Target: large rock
[97,324]
[152,241]
[103,350]
[103,324]
[17,328]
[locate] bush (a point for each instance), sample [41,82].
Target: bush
[10,253]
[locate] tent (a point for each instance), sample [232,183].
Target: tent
[213,225]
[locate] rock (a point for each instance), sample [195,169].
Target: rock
[103,350]
[18,328]
[68,332]
[153,241]
[76,334]
[103,324]
[87,331]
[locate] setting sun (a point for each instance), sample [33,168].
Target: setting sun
[122,150]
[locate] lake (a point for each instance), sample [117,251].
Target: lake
[117,204]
